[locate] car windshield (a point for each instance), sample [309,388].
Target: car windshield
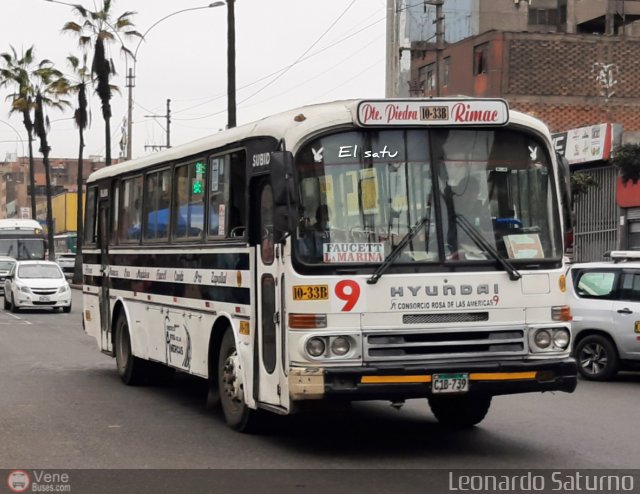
[39,271]
[6,265]
[362,191]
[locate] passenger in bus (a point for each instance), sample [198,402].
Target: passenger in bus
[311,245]
[467,202]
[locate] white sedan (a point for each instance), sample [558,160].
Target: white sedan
[36,284]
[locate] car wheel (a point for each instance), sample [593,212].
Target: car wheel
[460,411]
[132,370]
[67,309]
[14,308]
[597,358]
[236,413]
[7,305]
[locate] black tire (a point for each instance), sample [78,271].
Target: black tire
[67,309]
[237,414]
[597,358]
[14,309]
[7,305]
[132,370]
[460,411]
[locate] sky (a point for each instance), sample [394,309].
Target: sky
[289,53]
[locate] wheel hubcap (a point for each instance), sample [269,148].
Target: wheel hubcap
[593,358]
[232,383]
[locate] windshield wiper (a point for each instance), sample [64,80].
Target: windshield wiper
[398,248]
[480,241]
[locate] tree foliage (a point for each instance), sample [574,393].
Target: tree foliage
[97,30]
[627,159]
[581,182]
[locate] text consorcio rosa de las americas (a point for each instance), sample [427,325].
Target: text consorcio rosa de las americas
[533,482]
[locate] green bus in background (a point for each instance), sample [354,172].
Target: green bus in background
[65,243]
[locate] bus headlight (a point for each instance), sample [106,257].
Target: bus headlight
[340,346]
[542,338]
[315,347]
[550,340]
[561,338]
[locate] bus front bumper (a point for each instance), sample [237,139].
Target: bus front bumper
[388,382]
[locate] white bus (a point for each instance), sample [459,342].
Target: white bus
[354,250]
[22,239]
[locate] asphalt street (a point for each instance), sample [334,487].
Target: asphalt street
[62,405]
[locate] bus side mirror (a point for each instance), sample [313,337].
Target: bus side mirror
[566,199]
[285,198]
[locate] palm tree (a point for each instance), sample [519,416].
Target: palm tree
[18,72]
[49,87]
[81,116]
[99,28]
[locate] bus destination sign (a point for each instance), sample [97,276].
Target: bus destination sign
[433,112]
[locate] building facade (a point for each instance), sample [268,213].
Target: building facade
[571,63]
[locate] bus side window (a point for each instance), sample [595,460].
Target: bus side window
[188,217]
[218,195]
[90,219]
[115,212]
[131,226]
[237,206]
[157,205]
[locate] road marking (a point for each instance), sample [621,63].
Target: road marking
[18,318]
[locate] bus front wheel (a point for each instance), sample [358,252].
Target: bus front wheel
[460,411]
[237,414]
[131,369]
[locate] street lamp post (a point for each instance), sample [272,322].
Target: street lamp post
[132,72]
[231,64]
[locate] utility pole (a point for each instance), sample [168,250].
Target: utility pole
[439,22]
[168,123]
[231,64]
[130,85]
[156,147]
[391,49]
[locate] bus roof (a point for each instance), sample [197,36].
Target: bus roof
[293,126]
[19,224]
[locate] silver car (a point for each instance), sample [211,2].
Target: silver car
[605,303]
[6,263]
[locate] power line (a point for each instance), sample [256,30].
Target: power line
[286,68]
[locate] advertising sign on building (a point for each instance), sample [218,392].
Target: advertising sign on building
[584,144]
[25,213]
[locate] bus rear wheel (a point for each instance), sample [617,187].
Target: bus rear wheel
[237,414]
[460,411]
[132,370]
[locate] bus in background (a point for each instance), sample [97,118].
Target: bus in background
[22,239]
[65,243]
[354,250]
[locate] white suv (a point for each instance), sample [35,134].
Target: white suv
[605,304]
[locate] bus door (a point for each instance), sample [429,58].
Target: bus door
[105,308]
[273,387]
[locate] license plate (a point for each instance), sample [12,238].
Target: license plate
[311,292]
[434,113]
[44,299]
[450,383]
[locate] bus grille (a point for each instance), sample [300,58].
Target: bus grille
[438,318]
[430,344]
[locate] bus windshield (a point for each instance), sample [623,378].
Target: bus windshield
[469,191]
[22,248]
